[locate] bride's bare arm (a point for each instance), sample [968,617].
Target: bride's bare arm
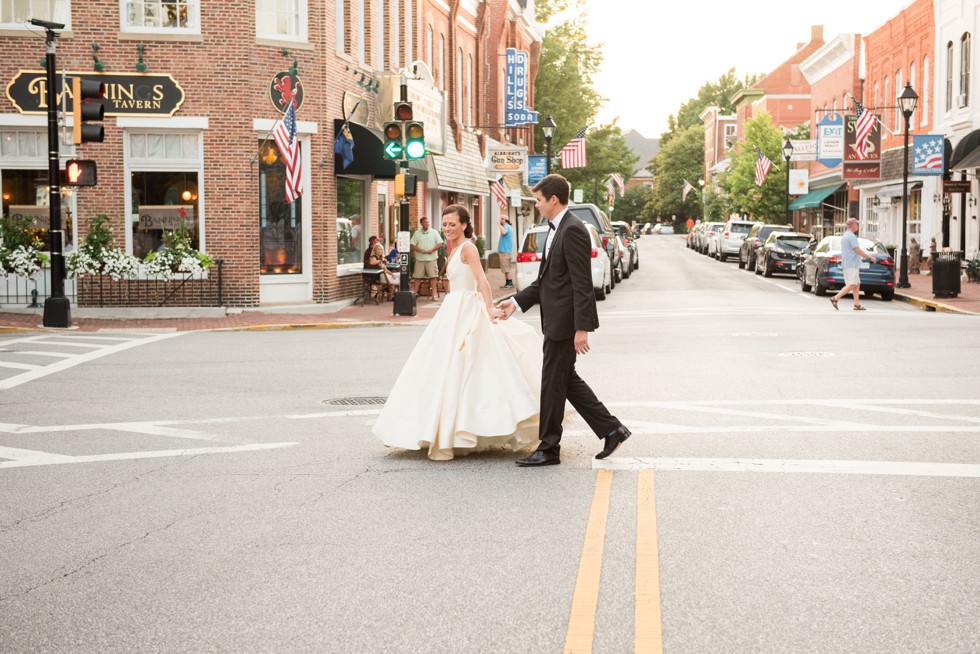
[471,257]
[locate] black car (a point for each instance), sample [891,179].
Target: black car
[748,252]
[629,240]
[594,216]
[780,253]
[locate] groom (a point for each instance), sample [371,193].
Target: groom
[568,313]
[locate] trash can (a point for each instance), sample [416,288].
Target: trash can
[945,274]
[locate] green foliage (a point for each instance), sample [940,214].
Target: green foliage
[629,208]
[99,235]
[681,159]
[767,203]
[718,94]
[17,232]
[607,154]
[481,245]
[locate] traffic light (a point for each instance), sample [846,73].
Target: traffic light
[405,185]
[81,172]
[403,111]
[394,143]
[414,140]
[87,106]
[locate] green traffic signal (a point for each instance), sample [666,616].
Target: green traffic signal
[415,140]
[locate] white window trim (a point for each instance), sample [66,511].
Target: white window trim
[133,29]
[27,27]
[303,27]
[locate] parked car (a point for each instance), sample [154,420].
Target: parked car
[663,228]
[626,255]
[748,251]
[629,240]
[731,237]
[780,253]
[822,270]
[532,250]
[593,215]
[709,239]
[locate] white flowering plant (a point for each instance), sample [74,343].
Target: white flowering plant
[97,255]
[21,248]
[176,256]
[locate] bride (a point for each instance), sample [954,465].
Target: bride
[471,382]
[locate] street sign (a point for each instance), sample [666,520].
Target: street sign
[956,186]
[804,150]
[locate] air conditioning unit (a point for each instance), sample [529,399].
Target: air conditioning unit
[961,100]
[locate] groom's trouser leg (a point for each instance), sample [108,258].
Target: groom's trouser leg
[589,407]
[559,360]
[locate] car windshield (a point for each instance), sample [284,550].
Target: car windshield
[585,215]
[534,241]
[622,230]
[740,228]
[769,229]
[792,242]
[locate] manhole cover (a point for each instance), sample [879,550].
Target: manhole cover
[355,401]
[806,355]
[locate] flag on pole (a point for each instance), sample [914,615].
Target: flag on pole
[343,145]
[618,179]
[762,166]
[928,157]
[688,187]
[573,154]
[863,125]
[288,142]
[500,193]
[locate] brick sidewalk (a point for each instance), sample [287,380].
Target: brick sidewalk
[298,318]
[920,294]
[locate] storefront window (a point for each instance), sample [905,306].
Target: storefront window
[279,19]
[280,222]
[15,13]
[163,201]
[350,226]
[161,15]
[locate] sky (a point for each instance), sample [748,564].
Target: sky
[658,53]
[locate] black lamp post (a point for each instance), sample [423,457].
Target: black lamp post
[704,206]
[907,102]
[548,127]
[788,153]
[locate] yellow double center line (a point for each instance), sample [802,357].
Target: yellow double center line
[648,632]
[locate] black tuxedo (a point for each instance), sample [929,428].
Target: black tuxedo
[565,293]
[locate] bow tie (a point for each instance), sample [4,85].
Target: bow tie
[551,224]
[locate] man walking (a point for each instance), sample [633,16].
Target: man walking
[505,249]
[425,244]
[851,256]
[568,313]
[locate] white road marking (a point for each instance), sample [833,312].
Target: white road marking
[791,290]
[43,458]
[792,466]
[94,345]
[72,360]
[39,353]
[18,366]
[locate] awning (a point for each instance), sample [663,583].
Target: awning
[461,171]
[966,154]
[814,198]
[895,190]
[369,156]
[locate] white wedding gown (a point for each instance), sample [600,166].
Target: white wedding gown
[469,383]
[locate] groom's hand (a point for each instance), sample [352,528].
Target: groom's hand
[581,342]
[508,306]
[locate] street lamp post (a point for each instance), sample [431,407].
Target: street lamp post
[704,206]
[907,102]
[548,127]
[788,153]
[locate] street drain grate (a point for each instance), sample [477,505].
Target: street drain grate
[806,355]
[355,401]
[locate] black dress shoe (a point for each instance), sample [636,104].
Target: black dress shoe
[540,458]
[613,441]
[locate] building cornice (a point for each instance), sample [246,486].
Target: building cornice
[829,57]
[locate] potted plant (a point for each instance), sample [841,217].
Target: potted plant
[481,248]
[176,256]
[891,247]
[973,269]
[21,249]
[98,255]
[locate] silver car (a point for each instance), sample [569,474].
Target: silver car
[730,238]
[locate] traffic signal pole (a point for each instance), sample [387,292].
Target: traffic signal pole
[57,310]
[405,300]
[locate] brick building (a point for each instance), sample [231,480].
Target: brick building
[194,90]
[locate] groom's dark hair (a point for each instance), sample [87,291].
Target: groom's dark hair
[554,185]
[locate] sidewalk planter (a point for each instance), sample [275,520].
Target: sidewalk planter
[945,274]
[973,270]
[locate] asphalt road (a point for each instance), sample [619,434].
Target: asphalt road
[799,480]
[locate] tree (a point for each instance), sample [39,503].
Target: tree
[718,94]
[681,159]
[607,153]
[768,202]
[629,208]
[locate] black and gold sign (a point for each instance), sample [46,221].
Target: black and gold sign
[126,94]
[284,88]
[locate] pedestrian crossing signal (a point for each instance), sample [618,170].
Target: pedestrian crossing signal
[81,172]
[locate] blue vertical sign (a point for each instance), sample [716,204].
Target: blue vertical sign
[830,140]
[537,165]
[515,101]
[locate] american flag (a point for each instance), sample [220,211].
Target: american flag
[618,180]
[688,187]
[288,142]
[862,129]
[928,157]
[573,154]
[500,193]
[762,166]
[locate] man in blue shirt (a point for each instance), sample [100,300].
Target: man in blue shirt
[505,250]
[851,256]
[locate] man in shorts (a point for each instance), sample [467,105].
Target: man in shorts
[851,255]
[505,250]
[425,244]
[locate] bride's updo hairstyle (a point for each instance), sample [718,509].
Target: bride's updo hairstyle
[464,218]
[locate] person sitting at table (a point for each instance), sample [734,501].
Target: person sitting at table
[376,261]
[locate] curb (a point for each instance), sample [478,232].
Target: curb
[932,305]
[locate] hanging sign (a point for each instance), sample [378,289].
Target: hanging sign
[286,88]
[506,159]
[830,140]
[126,94]
[516,111]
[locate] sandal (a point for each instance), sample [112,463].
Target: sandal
[858,307]
[833,301]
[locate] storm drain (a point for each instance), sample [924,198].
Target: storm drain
[806,355]
[355,401]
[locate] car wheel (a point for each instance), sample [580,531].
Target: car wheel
[741,264]
[759,265]
[619,272]
[636,266]
[888,295]
[803,285]
[612,281]
[767,269]
[818,288]
[722,257]
[750,263]
[600,294]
